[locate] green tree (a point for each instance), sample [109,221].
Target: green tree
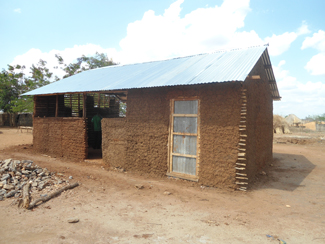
[316,118]
[40,76]
[11,82]
[85,63]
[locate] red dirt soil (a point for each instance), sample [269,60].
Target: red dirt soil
[287,203]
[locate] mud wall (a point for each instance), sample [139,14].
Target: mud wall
[114,141]
[61,137]
[220,118]
[259,122]
[145,130]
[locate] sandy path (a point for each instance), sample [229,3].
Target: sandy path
[112,210]
[11,137]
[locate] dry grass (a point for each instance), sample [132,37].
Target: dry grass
[280,126]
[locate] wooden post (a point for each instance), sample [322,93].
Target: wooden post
[78,103]
[57,106]
[98,102]
[84,97]
[34,112]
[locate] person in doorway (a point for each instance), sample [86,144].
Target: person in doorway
[96,120]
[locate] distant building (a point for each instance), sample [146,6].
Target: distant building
[293,120]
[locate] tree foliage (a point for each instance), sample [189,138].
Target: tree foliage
[40,76]
[14,82]
[11,85]
[317,118]
[85,63]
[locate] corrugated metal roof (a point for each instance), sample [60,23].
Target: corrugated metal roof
[221,66]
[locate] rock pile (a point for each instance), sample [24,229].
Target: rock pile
[14,174]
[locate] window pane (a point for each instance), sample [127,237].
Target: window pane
[184,165]
[186,107]
[185,124]
[184,144]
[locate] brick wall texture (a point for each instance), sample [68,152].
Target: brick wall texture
[139,142]
[61,137]
[259,122]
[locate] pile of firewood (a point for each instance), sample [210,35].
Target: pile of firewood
[24,180]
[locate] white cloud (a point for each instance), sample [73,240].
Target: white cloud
[317,41]
[316,64]
[281,43]
[303,29]
[168,35]
[298,98]
[69,55]
[165,36]
[202,30]
[17,10]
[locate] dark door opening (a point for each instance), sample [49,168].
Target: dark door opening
[99,106]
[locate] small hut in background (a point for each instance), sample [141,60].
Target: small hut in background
[293,120]
[280,125]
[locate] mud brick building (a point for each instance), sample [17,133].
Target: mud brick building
[206,118]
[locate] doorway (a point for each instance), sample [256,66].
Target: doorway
[184,131]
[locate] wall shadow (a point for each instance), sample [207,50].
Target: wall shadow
[286,172]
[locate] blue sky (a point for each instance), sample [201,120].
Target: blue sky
[136,31]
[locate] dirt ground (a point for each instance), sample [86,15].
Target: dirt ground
[288,203]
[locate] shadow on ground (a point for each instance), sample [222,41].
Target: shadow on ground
[94,153]
[287,172]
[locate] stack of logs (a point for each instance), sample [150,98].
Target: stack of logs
[21,178]
[241,175]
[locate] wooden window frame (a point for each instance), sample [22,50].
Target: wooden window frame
[171,140]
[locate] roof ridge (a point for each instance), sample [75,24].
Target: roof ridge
[187,56]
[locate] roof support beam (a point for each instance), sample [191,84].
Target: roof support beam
[254,77]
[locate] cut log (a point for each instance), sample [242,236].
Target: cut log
[241,183]
[240,168]
[240,164]
[241,178]
[243,159]
[54,194]
[242,188]
[24,202]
